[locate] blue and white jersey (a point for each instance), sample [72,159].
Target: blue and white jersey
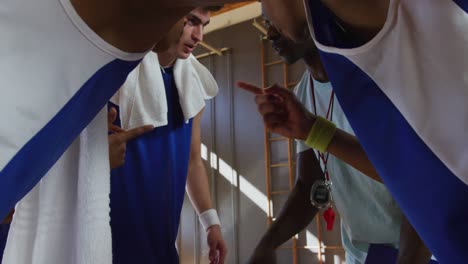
[405,94]
[57,76]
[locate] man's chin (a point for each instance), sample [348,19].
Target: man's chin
[184,55]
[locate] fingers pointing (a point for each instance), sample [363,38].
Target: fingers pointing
[135,132]
[278,90]
[250,87]
[111,115]
[115,129]
[272,90]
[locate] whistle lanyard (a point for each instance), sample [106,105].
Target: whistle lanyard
[329,116]
[329,214]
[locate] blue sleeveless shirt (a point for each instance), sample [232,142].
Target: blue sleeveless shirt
[147,192]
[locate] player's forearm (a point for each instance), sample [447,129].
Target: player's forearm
[347,148]
[198,187]
[412,248]
[297,213]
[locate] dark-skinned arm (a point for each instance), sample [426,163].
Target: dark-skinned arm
[296,214]
[283,114]
[412,248]
[347,148]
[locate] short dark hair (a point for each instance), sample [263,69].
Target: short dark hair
[213,8]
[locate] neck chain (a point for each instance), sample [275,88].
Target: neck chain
[329,116]
[321,192]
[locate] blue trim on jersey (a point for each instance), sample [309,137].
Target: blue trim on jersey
[434,200]
[383,254]
[463,4]
[4,228]
[431,196]
[41,152]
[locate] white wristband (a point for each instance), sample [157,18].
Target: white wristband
[209,218]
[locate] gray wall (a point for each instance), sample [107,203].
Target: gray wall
[232,131]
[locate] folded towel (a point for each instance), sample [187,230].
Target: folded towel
[195,85]
[142,99]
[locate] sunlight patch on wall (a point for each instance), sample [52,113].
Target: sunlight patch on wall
[247,188]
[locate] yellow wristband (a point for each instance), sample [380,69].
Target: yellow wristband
[321,134]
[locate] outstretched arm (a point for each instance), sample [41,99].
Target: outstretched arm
[199,192]
[296,214]
[197,180]
[347,148]
[285,115]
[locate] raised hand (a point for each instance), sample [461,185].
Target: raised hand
[119,137]
[281,111]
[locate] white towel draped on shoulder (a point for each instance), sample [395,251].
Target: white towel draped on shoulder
[142,99]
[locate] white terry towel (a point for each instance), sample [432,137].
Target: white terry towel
[142,98]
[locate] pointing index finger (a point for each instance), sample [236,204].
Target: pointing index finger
[135,132]
[250,87]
